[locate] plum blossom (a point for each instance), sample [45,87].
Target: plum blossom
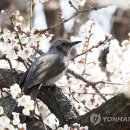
[27,103]
[10,53]
[15,90]
[16,119]
[22,101]
[4,121]
[25,53]
[6,36]
[2,49]
[22,126]
[26,112]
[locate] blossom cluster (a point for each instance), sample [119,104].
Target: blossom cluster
[116,70]
[28,104]
[24,100]
[21,44]
[118,64]
[6,123]
[82,95]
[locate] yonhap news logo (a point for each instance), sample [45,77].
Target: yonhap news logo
[96,119]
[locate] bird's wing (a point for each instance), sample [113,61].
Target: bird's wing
[49,73]
[42,69]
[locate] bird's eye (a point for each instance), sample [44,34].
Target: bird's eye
[60,48]
[65,43]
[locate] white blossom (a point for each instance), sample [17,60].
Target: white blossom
[27,103]
[23,101]
[20,126]
[10,53]
[16,119]
[15,90]
[24,39]
[2,49]
[25,53]
[6,35]
[4,121]
[12,127]
[1,110]
[26,112]
[60,128]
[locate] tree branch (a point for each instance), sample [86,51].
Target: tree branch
[89,83]
[117,107]
[59,104]
[76,13]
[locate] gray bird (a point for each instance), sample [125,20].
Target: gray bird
[49,67]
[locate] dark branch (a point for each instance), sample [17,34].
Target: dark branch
[59,104]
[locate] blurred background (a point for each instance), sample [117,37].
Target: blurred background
[114,19]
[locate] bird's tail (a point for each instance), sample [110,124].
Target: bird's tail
[32,92]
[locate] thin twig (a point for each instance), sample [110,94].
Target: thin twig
[11,18]
[89,83]
[88,41]
[71,5]
[90,49]
[74,15]
[21,31]
[64,21]
[25,63]
[102,96]
[31,4]
[5,58]
[107,94]
[78,76]
[72,95]
[88,4]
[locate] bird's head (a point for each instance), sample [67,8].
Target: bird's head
[64,45]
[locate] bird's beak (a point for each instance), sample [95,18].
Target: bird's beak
[74,43]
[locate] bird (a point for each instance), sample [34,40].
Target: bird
[45,71]
[48,68]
